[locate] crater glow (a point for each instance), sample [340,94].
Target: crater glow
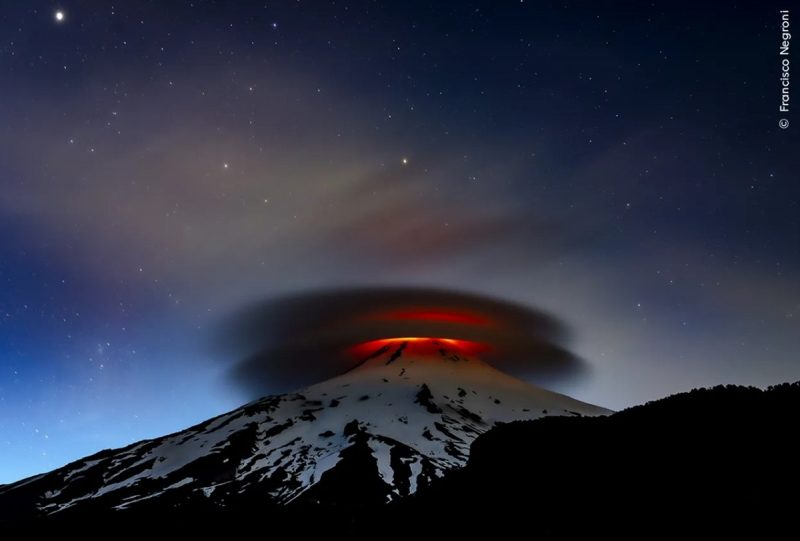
[419,345]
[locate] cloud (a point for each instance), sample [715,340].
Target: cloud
[309,186]
[291,341]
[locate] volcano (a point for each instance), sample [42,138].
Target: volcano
[395,422]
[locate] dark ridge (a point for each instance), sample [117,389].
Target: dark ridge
[352,428]
[218,467]
[400,460]
[354,479]
[444,430]
[710,461]
[449,356]
[472,416]
[255,458]
[117,468]
[396,355]
[277,429]
[451,449]
[265,405]
[425,398]
[377,353]
[308,415]
[130,471]
[231,417]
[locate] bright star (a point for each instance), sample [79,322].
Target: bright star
[405,161]
[59,15]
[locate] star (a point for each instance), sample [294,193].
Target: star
[59,15]
[405,161]
[224,165]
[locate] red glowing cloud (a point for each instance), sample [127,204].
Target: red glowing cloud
[433,315]
[419,345]
[290,342]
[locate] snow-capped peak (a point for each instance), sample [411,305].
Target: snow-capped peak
[412,408]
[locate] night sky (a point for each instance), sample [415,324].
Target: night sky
[164,163]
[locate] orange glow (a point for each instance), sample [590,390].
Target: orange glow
[419,345]
[435,315]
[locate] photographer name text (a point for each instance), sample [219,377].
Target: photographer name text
[783,52]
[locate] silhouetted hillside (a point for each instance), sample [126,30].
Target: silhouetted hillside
[721,459]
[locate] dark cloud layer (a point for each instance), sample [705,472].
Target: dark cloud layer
[285,343]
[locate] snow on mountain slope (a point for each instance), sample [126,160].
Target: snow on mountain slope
[414,405]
